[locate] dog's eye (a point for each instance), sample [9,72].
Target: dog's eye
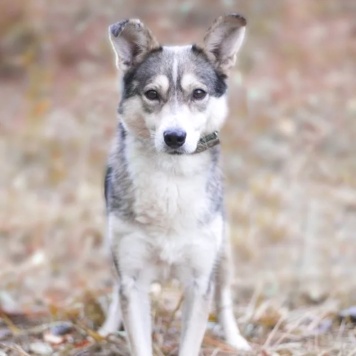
[199,94]
[151,95]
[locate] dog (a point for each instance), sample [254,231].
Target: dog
[163,184]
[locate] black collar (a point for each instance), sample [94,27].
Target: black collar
[207,142]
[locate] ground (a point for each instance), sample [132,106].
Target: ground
[289,160]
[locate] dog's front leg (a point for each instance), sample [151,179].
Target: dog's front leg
[130,255]
[135,307]
[195,316]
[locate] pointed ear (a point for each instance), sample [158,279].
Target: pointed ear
[131,40]
[224,39]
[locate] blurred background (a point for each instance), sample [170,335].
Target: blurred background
[289,158]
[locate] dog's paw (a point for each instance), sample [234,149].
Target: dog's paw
[103,332]
[239,343]
[106,331]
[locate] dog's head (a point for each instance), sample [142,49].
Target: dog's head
[174,96]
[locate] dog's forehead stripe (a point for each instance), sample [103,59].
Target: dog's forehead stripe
[174,57]
[175,60]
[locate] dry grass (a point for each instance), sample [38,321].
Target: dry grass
[289,161]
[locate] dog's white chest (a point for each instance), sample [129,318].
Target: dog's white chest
[164,201]
[165,197]
[170,203]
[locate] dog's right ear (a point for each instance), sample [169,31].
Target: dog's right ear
[131,40]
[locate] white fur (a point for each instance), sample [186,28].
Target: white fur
[170,201]
[168,233]
[159,83]
[166,240]
[195,124]
[191,82]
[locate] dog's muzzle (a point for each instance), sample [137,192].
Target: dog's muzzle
[175,139]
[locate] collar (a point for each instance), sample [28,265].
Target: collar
[207,142]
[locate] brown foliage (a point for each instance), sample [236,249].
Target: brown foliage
[290,165]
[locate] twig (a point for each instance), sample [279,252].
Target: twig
[179,304]
[273,332]
[13,328]
[218,344]
[352,352]
[157,350]
[215,352]
[252,304]
[96,336]
[15,348]
[296,324]
[38,328]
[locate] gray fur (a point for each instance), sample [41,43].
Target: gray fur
[165,206]
[160,60]
[117,181]
[119,186]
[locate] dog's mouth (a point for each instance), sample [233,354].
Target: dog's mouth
[176,151]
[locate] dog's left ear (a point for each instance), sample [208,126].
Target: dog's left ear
[224,39]
[131,40]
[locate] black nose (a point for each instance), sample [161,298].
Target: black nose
[174,138]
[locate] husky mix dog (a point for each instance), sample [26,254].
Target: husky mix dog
[163,184]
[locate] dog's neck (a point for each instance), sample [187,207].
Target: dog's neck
[207,142]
